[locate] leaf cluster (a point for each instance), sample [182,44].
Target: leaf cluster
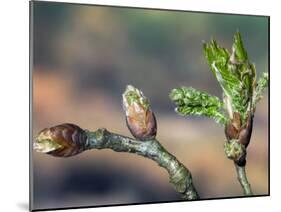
[237,78]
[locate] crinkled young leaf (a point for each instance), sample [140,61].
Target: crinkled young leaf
[260,87]
[234,73]
[246,73]
[244,70]
[240,52]
[190,101]
[217,59]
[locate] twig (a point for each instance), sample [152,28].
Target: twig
[242,178]
[67,140]
[180,176]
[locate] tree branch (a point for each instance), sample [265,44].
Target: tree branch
[180,176]
[242,178]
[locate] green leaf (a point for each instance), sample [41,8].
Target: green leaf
[234,73]
[240,52]
[260,87]
[237,78]
[190,101]
[245,71]
[217,59]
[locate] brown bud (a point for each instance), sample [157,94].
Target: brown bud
[63,140]
[139,117]
[246,132]
[241,135]
[231,132]
[236,121]
[142,130]
[233,127]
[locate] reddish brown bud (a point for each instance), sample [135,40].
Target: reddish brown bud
[236,120]
[231,132]
[246,132]
[139,117]
[240,134]
[233,127]
[63,140]
[142,130]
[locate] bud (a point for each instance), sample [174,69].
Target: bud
[234,130]
[235,151]
[238,138]
[233,127]
[139,117]
[246,132]
[63,140]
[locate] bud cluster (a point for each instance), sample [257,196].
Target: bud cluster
[238,138]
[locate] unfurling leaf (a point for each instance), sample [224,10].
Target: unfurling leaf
[240,52]
[190,101]
[234,73]
[260,87]
[217,59]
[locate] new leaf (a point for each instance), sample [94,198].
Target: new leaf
[190,101]
[234,73]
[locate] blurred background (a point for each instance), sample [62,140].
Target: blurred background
[84,56]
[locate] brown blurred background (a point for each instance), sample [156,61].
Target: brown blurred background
[84,56]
